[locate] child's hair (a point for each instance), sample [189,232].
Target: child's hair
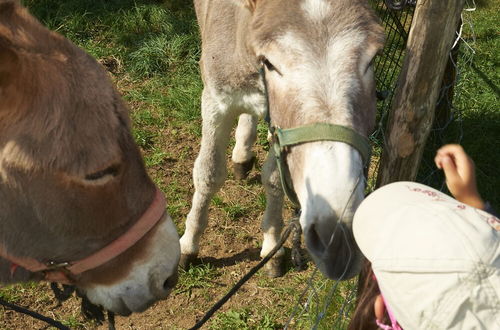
[363,317]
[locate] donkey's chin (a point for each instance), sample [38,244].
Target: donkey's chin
[151,279]
[336,255]
[128,298]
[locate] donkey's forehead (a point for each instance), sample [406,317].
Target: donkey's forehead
[315,22]
[298,45]
[316,10]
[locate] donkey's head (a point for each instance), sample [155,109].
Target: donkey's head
[71,177]
[317,56]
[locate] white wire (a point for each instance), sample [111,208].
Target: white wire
[473,8]
[459,32]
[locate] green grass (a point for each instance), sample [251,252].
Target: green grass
[14,294]
[157,47]
[198,276]
[244,318]
[480,102]
[73,322]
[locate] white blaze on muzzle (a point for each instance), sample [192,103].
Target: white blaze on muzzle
[329,184]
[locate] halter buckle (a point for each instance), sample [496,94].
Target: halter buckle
[52,265]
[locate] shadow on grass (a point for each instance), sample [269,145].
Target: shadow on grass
[45,9]
[483,3]
[249,254]
[253,254]
[486,80]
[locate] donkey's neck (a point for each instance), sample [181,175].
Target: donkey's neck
[227,59]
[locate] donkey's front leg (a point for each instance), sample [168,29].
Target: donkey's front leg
[272,223]
[209,173]
[243,157]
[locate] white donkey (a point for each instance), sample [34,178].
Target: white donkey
[301,63]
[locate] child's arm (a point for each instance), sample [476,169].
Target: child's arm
[460,175]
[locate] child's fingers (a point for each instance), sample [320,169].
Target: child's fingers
[462,163]
[450,169]
[437,161]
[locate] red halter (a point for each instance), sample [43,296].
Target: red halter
[64,271]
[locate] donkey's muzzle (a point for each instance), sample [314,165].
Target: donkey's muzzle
[336,254]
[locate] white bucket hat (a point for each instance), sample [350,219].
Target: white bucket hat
[437,261]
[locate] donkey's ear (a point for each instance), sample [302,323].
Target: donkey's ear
[9,64]
[251,4]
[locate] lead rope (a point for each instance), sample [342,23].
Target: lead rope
[34,315]
[89,310]
[292,225]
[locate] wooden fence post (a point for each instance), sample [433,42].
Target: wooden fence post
[412,112]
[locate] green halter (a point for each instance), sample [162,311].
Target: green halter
[284,138]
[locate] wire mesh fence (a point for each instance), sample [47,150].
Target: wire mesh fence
[388,66]
[396,23]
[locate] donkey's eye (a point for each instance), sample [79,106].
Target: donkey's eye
[372,62]
[370,65]
[110,171]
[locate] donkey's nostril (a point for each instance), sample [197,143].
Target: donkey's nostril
[171,281]
[313,240]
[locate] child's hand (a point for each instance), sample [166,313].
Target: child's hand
[460,175]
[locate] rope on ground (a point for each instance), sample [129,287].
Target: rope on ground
[291,226]
[35,315]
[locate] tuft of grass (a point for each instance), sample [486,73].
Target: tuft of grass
[15,293]
[245,318]
[196,277]
[261,200]
[73,322]
[234,210]
[156,157]
[262,131]
[159,55]
[232,319]
[144,138]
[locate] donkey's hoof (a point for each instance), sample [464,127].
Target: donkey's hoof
[241,170]
[186,261]
[275,267]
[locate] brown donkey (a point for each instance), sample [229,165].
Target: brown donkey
[315,62]
[76,204]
